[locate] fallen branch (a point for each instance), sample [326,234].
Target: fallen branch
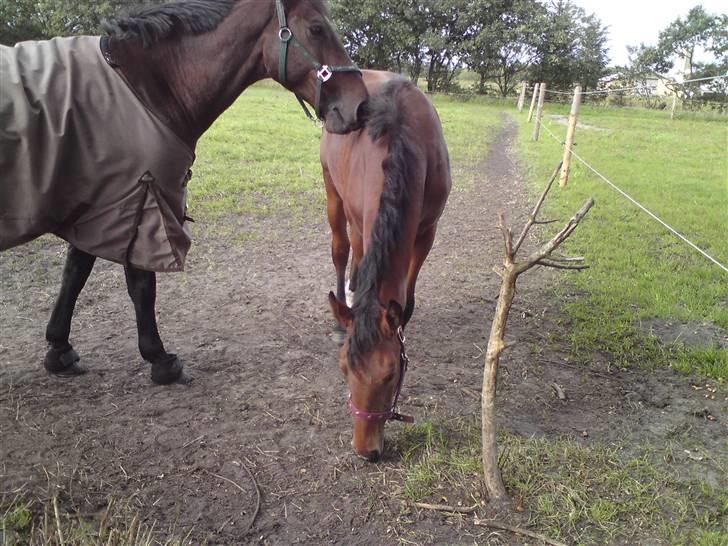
[446,508]
[495,524]
[257,493]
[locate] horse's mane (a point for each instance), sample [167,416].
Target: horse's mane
[386,117]
[155,24]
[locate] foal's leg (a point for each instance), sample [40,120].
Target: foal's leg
[339,237]
[61,359]
[423,244]
[142,287]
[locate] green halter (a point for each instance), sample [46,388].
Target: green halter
[323,72]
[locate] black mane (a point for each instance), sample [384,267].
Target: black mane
[386,117]
[154,24]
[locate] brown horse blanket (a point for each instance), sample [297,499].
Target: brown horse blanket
[83,158]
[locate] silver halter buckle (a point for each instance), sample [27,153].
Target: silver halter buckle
[324,73]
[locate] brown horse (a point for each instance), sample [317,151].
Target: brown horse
[98,134]
[389,182]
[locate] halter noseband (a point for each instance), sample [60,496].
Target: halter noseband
[324,72]
[391,414]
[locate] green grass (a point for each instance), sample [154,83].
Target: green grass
[262,156]
[595,494]
[679,170]
[43,523]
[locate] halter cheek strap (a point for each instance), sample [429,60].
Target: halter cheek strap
[323,72]
[391,414]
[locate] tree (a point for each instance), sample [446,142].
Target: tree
[502,41]
[591,56]
[42,19]
[443,41]
[681,42]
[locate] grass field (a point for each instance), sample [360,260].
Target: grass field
[677,169]
[262,156]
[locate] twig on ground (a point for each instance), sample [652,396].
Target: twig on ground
[495,524]
[257,493]
[446,508]
[58,521]
[558,390]
[200,437]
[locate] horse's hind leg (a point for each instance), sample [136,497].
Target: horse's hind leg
[61,359]
[142,287]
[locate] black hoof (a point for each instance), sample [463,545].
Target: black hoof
[169,371]
[63,363]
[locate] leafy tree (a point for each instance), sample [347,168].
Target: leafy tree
[42,19]
[591,56]
[681,41]
[503,40]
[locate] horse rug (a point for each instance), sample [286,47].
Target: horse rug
[83,158]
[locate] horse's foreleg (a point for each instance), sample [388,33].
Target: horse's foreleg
[61,359]
[142,287]
[422,247]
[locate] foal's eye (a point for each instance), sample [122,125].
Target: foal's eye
[316,30]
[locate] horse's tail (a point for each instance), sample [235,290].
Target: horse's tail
[386,119]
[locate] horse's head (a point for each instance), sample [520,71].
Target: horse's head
[374,375]
[305,55]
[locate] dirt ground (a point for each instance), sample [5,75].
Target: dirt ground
[251,322]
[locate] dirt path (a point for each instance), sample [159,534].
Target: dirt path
[253,325]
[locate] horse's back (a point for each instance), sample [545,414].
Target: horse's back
[75,142]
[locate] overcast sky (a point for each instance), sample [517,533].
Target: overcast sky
[633,21]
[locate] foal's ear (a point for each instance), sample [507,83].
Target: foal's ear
[342,312]
[391,318]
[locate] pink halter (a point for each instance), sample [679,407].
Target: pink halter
[391,414]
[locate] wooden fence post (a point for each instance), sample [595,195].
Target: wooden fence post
[570,131]
[674,106]
[522,97]
[533,102]
[539,111]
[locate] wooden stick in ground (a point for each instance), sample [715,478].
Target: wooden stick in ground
[570,132]
[539,111]
[495,524]
[674,106]
[496,343]
[521,97]
[533,102]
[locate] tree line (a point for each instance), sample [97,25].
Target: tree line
[501,42]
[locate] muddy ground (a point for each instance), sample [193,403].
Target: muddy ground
[252,323]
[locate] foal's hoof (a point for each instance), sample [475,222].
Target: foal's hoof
[169,371]
[63,363]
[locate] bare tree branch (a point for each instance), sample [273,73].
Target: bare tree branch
[536,210]
[509,273]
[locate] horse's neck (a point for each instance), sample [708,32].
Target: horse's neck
[191,81]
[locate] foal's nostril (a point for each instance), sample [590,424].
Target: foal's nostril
[373,456]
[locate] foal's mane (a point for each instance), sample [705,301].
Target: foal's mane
[386,117]
[157,23]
